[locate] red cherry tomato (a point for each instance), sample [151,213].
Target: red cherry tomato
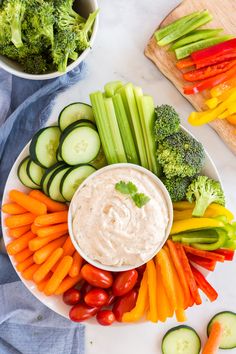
[86,287]
[97,277]
[111,298]
[125,304]
[82,312]
[141,269]
[105,317]
[72,296]
[96,297]
[124,282]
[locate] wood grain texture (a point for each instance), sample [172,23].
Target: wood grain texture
[224,16]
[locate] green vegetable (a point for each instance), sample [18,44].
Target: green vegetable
[177,187]
[140,199]
[111,87]
[14,15]
[36,64]
[180,155]
[204,191]
[167,122]
[227,319]
[222,237]
[67,18]
[196,36]
[64,48]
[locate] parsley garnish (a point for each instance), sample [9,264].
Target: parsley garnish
[140,199]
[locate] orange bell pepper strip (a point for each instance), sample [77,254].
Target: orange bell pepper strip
[164,309]
[232,119]
[152,290]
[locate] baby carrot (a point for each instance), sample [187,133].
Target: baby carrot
[213,342]
[45,268]
[67,283]
[52,206]
[68,249]
[51,219]
[25,264]
[18,231]
[19,220]
[13,209]
[29,272]
[20,243]
[23,255]
[49,230]
[76,265]
[58,276]
[43,283]
[43,253]
[27,202]
[39,242]
[34,228]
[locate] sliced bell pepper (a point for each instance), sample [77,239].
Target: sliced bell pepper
[228,254]
[184,205]
[218,49]
[185,63]
[208,264]
[164,309]
[212,102]
[230,244]
[212,246]
[232,119]
[152,290]
[195,224]
[204,285]
[223,88]
[214,60]
[205,254]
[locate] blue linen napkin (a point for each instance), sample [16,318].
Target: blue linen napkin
[26,325]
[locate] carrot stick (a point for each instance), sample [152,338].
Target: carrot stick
[13,209]
[68,249]
[57,277]
[206,254]
[23,255]
[76,265]
[67,283]
[27,202]
[19,220]
[43,283]
[18,231]
[29,272]
[52,206]
[213,342]
[49,230]
[43,253]
[20,243]
[164,309]
[35,228]
[25,264]
[39,242]
[51,219]
[46,267]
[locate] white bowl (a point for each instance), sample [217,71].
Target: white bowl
[85,8]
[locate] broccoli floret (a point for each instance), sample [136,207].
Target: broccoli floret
[34,64]
[180,155]
[5,29]
[67,18]
[15,10]
[64,48]
[177,187]
[84,31]
[204,191]
[167,122]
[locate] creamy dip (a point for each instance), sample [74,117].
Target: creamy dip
[109,227]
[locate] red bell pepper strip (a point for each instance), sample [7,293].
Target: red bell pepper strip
[204,285]
[210,82]
[208,264]
[209,71]
[205,254]
[218,49]
[185,63]
[215,59]
[228,254]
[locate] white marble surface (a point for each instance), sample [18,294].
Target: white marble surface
[125,27]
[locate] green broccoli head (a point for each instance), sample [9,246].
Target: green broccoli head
[204,191]
[67,17]
[177,187]
[64,48]
[35,64]
[167,122]
[84,31]
[15,10]
[5,29]
[180,155]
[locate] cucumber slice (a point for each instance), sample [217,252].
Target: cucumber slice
[59,158]
[23,175]
[75,112]
[48,173]
[44,145]
[54,184]
[35,172]
[228,320]
[81,123]
[80,146]
[181,340]
[73,178]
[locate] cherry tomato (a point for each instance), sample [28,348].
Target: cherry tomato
[82,312]
[96,297]
[141,269]
[111,298]
[86,287]
[125,304]
[97,277]
[105,317]
[72,296]
[124,282]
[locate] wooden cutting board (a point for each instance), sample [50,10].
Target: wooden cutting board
[224,16]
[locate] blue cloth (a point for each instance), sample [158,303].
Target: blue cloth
[26,325]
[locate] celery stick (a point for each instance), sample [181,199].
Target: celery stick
[165,31]
[186,50]
[111,87]
[196,36]
[99,111]
[115,131]
[125,130]
[201,19]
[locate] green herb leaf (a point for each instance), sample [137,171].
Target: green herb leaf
[140,199]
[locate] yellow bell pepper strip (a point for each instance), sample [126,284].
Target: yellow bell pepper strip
[223,87]
[232,119]
[141,305]
[194,224]
[152,290]
[183,205]
[187,214]
[212,102]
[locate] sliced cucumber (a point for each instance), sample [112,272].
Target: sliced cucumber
[74,112]
[35,172]
[181,340]
[80,146]
[59,158]
[48,173]
[43,146]
[81,123]
[73,178]
[54,184]
[228,320]
[23,175]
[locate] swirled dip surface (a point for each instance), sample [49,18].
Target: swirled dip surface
[109,227]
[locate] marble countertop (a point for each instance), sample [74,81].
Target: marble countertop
[125,27]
